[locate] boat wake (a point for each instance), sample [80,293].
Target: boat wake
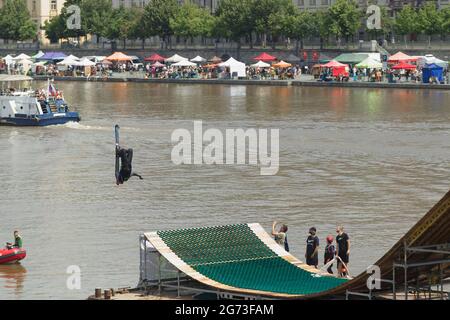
[79,126]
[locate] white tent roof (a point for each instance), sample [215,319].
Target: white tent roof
[73,57]
[429,58]
[69,62]
[25,62]
[198,59]
[85,62]
[260,64]
[8,59]
[184,63]
[175,58]
[369,63]
[21,57]
[38,55]
[231,62]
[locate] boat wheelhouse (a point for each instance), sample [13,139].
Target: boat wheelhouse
[33,107]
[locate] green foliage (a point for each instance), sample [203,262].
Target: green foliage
[15,21]
[234,19]
[156,17]
[445,20]
[121,25]
[344,18]
[429,19]
[406,21]
[192,21]
[95,16]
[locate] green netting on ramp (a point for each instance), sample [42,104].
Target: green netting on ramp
[235,256]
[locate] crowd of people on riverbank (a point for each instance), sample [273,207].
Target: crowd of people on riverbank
[366,67]
[336,250]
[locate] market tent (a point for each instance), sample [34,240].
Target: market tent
[236,67]
[401,57]
[369,63]
[106,62]
[404,66]
[175,58]
[351,58]
[155,58]
[73,57]
[337,68]
[38,55]
[430,59]
[25,62]
[8,59]
[85,62]
[184,63]
[432,70]
[282,64]
[54,56]
[21,57]
[158,64]
[260,64]
[265,57]
[215,59]
[293,58]
[118,56]
[198,59]
[68,62]
[210,65]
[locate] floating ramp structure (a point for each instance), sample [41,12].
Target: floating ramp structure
[244,261]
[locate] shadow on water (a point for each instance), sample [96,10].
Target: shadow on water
[12,278]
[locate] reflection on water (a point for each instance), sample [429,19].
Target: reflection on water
[374,160]
[12,277]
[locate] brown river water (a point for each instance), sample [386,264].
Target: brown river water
[374,160]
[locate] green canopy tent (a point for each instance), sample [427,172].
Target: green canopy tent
[351,58]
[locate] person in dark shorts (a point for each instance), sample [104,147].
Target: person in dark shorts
[342,251]
[330,251]
[126,158]
[312,248]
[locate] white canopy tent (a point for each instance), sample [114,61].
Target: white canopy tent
[85,62]
[369,63]
[68,62]
[175,58]
[184,63]
[8,59]
[260,64]
[198,59]
[21,56]
[429,58]
[237,68]
[73,57]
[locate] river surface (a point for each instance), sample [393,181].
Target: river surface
[374,160]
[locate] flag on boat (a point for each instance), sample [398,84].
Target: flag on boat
[51,89]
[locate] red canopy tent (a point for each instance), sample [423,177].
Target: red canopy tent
[337,68]
[265,57]
[155,57]
[401,57]
[404,66]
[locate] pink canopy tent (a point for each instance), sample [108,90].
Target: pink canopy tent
[265,57]
[401,57]
[155,58]
[404,66]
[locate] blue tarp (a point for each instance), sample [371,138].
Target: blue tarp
[432,70]
[52,56]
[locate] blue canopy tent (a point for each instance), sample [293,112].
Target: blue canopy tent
[52,56]
[432,70]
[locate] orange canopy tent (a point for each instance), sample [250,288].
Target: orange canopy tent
[265,57]
[404,66]
[155,57]
[118,56]
[215,59]
[282,64]
[401,57]
[210,66]
[333,64]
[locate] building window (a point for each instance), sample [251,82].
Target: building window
[324,2]
[312,2]
[53,5]
[301,3]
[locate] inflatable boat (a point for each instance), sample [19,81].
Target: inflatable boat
[12,255]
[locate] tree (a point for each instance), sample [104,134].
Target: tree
[406,22]
[345,18]
[234,20]
[192,21]
[122,24]
[156,18]
[445,21]
[96,16]
[429,20]
[320,25]
[15,21]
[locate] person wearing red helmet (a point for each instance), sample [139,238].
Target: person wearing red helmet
[330,252]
